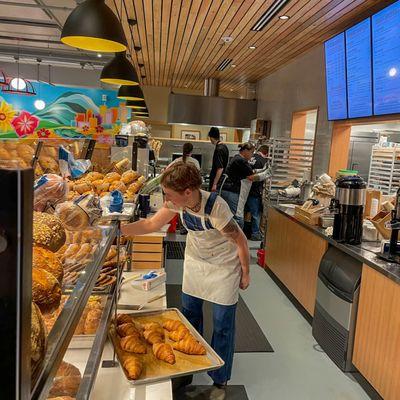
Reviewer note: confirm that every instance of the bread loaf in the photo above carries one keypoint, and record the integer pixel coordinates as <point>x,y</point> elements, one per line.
<point>46,290</point>
<point>47,260</point>
<point>72,216</point>
<point>48,231</point>
<point>66,381</point>
<point>38,337</point>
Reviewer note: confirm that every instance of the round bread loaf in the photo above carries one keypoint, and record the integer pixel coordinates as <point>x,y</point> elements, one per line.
<point>38,337</point>
<point>48,231</point>
<point>47,260</point>
<point>66,381</point>
<point>72,216</point>
<point>46,290</point>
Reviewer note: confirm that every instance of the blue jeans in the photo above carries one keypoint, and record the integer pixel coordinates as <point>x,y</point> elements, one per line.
<point>223,338</point>
<point>232,199</point>
<point>254,206</point>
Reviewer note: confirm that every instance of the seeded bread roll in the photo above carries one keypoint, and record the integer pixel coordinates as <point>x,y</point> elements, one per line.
<point>48,231</point>
<point>47,260</point>
<point>46,290</point>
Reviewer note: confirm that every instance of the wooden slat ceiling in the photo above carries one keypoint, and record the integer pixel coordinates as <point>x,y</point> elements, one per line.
<point>181,40</point>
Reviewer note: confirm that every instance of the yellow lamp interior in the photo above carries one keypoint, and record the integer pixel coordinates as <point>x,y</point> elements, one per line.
<point>137,107</point>
<point>130,98</point>
<point>93,44</point>
<point>114,81</point>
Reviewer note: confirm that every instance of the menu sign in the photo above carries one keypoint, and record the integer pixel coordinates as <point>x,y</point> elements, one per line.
<point>386,60</point>
<point>359,73</point>
<point>335,63</point>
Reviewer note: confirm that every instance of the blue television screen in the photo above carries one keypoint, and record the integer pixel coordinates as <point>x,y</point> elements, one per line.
<point>386,60</point>
<point>335,63</point>
<point>359,72</point>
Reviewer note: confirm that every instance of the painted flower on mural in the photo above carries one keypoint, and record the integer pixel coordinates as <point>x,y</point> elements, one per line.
<point>85,129</point>
<point>43,133</point>
<point>25,124</point>
<point>99,129</point>
<point>6,115</point>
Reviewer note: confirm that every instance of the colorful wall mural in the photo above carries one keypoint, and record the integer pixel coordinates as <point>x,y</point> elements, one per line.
<point>69,112</point>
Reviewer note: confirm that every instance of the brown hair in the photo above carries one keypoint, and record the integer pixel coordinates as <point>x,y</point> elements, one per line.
<point>187,149</point>
<point>264,148</point>
<point>181,176</point>
<point>246,146</point>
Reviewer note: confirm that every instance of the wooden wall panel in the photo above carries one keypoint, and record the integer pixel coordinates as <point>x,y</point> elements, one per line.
<point>293,254</point>
<point>377,343</point>
<point>339,154</point>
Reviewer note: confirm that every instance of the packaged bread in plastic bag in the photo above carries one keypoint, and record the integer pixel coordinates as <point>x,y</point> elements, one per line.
<point>49,190</point>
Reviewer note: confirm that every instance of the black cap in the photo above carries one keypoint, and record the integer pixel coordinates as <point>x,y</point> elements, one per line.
<point>214,133</point>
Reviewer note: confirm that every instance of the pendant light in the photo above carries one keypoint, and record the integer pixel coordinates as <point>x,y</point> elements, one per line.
<point>133,93</point>
<point>136,105</point>
<point>18,85</point>
<point>39,104</point>
<point>93,26</point>
<point>119,71</point>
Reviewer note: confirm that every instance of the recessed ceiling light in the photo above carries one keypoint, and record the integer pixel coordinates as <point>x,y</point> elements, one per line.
<point>233,65</point>
<point>231,90</point>
<point>284,17</point>
<point>99,55</point>
<point>252,47</point>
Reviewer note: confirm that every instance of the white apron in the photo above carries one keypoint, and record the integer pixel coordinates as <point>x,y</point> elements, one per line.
<point>212,269</point>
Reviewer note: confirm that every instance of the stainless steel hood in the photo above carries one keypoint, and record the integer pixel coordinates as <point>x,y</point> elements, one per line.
<point>211,110</point>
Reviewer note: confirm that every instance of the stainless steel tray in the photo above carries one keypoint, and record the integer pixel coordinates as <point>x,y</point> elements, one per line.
<point>216,361</point>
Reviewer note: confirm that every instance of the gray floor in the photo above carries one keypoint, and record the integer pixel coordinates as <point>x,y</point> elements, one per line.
<point>295,371</point>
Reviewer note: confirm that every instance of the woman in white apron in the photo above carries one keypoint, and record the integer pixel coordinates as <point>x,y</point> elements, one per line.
<point>216,261</point>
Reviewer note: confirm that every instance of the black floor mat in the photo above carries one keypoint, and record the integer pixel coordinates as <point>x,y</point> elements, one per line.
<point>192,392</point>
<point>249,336</point>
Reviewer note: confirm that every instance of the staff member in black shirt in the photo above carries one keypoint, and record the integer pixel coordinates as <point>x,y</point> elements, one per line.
<point>220,159</point>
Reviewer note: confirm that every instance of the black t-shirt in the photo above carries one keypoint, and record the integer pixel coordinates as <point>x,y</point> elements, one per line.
<point>238,169</point>
<point>220,160</point>
<point>257,162</point>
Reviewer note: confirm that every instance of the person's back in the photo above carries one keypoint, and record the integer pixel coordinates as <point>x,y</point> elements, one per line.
<point>220,159</point>
<point>187,156</point>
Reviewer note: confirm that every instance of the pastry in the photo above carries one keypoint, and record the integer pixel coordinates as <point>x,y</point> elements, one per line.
<point>66,381</point>
<point>111,254</point>
<point>26,152</point>
<point>134,188</point>
<point>100,186</point>
<point>151,325</point>
<point>72,216</point>
<point>48,231</point>
<point>38,337</point>
<point>83,252</point>
<point>82,187</point>
<point>164,352</point>
<point>172,324</point>
<point>179,334</point>
<point>46,290</point>
<point>129,176</point>
<point>92,321</point>
<point>189,345</point>
<point>118,185</point>
<point>49,164</point>
<point>133,344</point>
<point>61,398</point>
<point>94,176</point>
<point>47,260</point>
<point>72,249</point>
<point>154,336</point>
<point>112,177</point>
<point>123,319</point>
<point>133,366</point>
<point>127,330</point>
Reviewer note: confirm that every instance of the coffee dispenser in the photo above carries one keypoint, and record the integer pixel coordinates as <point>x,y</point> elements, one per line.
<point>349,208</point>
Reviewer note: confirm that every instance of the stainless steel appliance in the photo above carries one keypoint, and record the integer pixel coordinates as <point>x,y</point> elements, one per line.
<point>335,313</point>
<point>349,208</point>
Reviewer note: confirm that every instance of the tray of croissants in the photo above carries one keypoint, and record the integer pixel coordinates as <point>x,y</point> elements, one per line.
<point>160,344</point>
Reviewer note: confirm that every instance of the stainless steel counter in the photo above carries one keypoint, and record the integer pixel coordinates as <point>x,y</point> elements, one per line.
<point>366,252</point>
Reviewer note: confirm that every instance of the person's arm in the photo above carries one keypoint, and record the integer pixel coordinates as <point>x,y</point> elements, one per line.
<point>218,175</point>
<point>149,225</point>
<point>260,176</point>
<point>232,232</point>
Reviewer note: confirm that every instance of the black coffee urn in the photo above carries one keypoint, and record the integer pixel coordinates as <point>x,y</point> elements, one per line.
<point>349,208</point>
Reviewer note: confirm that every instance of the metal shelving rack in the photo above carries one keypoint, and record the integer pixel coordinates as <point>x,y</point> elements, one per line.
<point>384,171</point>
<point>290,159</point>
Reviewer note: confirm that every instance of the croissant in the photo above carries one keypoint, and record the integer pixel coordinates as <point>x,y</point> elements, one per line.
<point>164,352</point>
<point>190,346</point>
<point>179,334</point>
<point>133,344</point>
<point>172,324</point>
<point>123,319</point>
<point>127,330</point>
<point>133,367</point>
<point>151,326</point>
<point>154,336</point>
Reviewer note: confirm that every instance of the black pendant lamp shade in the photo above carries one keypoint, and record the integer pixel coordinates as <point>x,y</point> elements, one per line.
<point>93,26</point>
<point>133,93</point>
<point>119,71</point>
<point>136,105</point>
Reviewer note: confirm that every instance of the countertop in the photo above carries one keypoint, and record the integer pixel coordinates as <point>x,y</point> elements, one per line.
<point>366,252</point>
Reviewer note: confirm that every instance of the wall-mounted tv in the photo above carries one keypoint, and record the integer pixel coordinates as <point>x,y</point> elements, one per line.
<point>363,67</point>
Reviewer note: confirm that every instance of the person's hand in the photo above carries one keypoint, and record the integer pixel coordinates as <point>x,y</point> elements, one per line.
<point>214,188</point>
<point>244,281</point>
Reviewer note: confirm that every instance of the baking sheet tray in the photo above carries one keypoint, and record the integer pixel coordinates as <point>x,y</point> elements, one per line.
<point>155,370</point>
